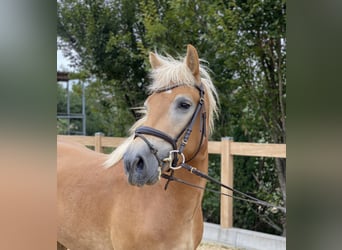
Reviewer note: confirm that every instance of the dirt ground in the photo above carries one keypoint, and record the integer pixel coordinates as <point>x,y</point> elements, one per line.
<point>211,246</point>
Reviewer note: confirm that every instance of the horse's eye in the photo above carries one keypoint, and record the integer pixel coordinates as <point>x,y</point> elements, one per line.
<point>184,105</point>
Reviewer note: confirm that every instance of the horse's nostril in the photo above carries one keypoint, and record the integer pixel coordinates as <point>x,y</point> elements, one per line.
<point>140,164</point>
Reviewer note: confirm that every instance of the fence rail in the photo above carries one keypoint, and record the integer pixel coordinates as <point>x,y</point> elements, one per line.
<point>227,148</point>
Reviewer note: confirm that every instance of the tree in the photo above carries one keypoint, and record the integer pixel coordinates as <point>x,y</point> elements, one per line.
<point>105,36</point>
<point>256,58</point>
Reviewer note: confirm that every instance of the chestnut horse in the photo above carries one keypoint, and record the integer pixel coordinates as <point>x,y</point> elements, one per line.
<point>119,201</point>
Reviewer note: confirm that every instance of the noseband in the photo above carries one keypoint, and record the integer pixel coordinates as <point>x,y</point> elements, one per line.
<point>173,159</point>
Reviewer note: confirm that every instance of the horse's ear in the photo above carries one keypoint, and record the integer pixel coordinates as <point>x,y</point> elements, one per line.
<point>192,61</point>
<point>154,61</point>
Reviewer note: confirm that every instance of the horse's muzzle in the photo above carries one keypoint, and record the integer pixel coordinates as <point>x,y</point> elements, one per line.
<point>141,167</point>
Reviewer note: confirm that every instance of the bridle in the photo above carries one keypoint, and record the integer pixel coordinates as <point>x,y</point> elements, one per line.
<point>173,154</point>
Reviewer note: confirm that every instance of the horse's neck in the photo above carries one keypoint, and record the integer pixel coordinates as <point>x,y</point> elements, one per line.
<point>191,194</point>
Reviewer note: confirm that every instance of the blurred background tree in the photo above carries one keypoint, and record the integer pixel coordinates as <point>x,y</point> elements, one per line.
<point>244,45</point>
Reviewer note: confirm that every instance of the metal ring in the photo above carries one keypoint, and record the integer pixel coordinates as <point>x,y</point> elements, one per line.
<point>170,157</point>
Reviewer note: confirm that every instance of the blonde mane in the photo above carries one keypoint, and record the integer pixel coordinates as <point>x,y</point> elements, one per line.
<point>170,72</point>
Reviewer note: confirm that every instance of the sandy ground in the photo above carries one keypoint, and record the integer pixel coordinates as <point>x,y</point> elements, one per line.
<point>211,246</point>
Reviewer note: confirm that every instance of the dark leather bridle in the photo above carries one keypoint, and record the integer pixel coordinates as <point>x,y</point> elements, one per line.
<point>144,130</point>
<point>173,158</point>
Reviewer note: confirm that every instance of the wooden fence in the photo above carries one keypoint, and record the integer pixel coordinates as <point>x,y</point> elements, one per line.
<point>227,148</point>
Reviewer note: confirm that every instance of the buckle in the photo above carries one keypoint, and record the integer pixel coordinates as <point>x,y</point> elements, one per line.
<point>170,159</point>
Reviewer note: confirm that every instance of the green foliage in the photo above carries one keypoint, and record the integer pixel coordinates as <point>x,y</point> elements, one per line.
<point>105,36</point>
<point>211,201</point>
<point>244,44</point>
<point>104,112</point>
<point>107,113</point>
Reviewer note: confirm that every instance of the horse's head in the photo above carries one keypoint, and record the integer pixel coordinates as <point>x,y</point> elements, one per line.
<point>175,125</point>
<point>171,114</point>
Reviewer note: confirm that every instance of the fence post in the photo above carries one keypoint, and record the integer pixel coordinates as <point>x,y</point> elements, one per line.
<point>226,218</point>
<point>98,142</point>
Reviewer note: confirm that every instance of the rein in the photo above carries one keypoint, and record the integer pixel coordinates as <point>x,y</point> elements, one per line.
<point>195,171</point>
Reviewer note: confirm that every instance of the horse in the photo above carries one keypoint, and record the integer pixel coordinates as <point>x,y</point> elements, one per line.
<point>119,200</point>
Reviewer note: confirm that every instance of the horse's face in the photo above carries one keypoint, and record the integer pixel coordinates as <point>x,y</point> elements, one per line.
<point>169,112</point>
